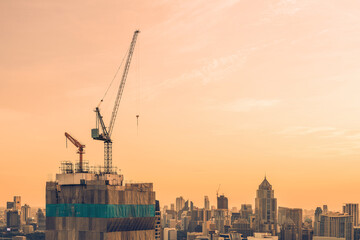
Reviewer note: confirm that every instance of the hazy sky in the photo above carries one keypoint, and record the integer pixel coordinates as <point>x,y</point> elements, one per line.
<point>226,91</point>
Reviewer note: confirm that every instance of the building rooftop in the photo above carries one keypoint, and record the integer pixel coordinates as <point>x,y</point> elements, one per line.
<point>265,185</point>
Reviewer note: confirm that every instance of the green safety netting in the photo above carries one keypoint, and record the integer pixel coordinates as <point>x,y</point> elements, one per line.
<point>99,210</point>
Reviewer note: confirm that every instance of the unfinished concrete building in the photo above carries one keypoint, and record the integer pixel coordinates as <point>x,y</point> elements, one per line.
<point>89,206</point>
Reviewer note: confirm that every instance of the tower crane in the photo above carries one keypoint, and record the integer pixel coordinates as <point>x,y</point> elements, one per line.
<point>105,134</point>
<point>217,192</point>
<point>80,149</point>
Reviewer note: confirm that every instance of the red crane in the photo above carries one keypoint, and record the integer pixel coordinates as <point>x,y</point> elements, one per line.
<point>80,149</point>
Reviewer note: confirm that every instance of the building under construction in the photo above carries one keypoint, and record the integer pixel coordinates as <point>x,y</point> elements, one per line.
<point>93,204</point>
<point>86,206</point>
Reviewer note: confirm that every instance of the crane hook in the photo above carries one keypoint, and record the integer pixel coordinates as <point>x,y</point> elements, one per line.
<point>137,123</point>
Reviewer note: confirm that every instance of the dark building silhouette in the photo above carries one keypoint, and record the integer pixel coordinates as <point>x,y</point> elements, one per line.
<point>242,226</point>
<point>157,220</point>
<point>307,234</point>
<point>318,213</point>
<point>289,230</point>
<point>41,220</point>
<point>13,219</point>
<point>356,233</point>
<point>222,202</point>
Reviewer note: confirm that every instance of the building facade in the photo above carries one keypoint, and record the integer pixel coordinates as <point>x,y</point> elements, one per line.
<point>222,202</point>
<point>206,203</point>
<point>265,209</point>
<point>337,225</point>
<point>180,203</point>
<point>293,214</point>
<point>353,210</point>
<point>90,206</point>
<point>246,211</point>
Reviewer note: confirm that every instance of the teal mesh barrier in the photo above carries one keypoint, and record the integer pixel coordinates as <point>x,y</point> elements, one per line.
<point>99,210</point>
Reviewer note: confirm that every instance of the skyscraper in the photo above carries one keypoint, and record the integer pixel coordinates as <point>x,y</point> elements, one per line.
<point>41,220</point>
<point>353,210</point>
<point>265,209</point>
<point>17,201</point>
<point>180,203</point>
<point>318,213</point>
<point>222,202</point>
<point>206,203</point>
<point>158,220</point>
<point>25,214</point>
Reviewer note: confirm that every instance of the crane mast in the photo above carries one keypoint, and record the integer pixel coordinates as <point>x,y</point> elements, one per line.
<point>105,136</point>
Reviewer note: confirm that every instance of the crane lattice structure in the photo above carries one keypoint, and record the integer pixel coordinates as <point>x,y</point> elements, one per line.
<point>105,135</point>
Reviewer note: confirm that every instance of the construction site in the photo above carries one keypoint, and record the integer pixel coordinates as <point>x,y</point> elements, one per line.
<point>88,203</point>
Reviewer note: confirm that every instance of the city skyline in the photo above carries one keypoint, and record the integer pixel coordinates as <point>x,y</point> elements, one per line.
<point>226,91</point>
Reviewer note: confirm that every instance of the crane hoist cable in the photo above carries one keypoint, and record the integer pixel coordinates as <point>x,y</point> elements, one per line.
<point>105,134</point>
<point>116,73</point>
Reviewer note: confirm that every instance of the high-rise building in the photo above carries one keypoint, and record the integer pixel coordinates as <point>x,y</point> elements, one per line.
<point>172,207</point>
<point>10,206</point>
<point>318,213</point>
<point>242,226</point>
<point>265,209</point>
<point>41,220</point>
<point>295,215</point>
<point>220,217</point>
<point>338,225</point>
<point>93,206</point>
<point>206,203</point>
<point>157,220</point>
<point>353,210</point>
<point>289,230</point>
<point>25,213</point>
<point>13,219</point>
<point>356,233</point>
<point>307,234</point>
<point>222,202</point>
<point>17,202</point>
<point>325,209</point>
<point>180,203</point>
<point>246,211</point>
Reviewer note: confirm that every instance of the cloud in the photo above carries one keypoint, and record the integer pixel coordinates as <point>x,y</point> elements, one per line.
<point>247,104</point>
<point>214,69</point>
<point>187,15</point>
<point>286,7</point>
<point>300,130</point>
<point>330,140</point>
<point>211,70</point>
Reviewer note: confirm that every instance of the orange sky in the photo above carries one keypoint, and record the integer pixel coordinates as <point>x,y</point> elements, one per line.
<point>226,91</point>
